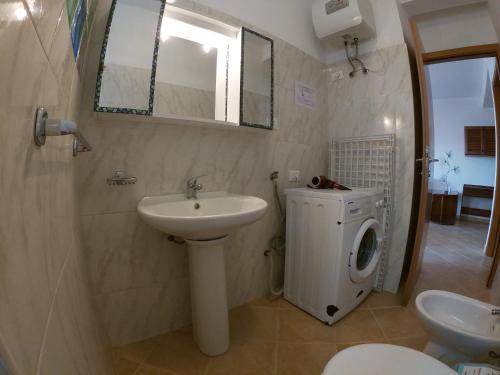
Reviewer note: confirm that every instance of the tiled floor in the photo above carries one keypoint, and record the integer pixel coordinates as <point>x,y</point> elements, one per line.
<point>274,337</point>
<point>454,260</point>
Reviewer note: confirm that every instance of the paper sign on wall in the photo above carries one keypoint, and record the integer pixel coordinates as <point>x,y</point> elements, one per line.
<point>305,95</point>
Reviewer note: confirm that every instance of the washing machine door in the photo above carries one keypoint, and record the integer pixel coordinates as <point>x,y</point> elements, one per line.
<point>366,250</point>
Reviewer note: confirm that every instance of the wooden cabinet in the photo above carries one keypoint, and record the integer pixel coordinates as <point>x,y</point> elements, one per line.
<point>479,140</point>
<point>476,191</point>
<point>444,207</point>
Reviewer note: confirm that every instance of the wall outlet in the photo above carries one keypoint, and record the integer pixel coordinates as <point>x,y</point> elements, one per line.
<point>293,176</point>
<point>336,76</point>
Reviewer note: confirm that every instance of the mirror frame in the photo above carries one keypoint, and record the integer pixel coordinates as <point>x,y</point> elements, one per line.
<point>242,72</point>
<point>102,56</point>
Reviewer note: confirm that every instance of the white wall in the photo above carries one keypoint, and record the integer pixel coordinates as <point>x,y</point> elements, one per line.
<point>494,7</point>
<point>389,31</point>
<point>456,27</point>
<point>450,117</point>
<point>289,20</point>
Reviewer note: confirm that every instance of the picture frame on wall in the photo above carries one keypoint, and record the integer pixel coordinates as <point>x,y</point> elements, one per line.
<point>77,17</point>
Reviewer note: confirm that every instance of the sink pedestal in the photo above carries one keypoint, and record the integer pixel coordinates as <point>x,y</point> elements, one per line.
<point>208,295</point>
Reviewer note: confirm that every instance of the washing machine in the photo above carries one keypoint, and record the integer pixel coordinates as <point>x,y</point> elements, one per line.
<point>334,239</point>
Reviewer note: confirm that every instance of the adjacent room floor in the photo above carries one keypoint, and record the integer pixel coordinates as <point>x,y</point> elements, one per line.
<point>454,259</point>
<point>274,337</point>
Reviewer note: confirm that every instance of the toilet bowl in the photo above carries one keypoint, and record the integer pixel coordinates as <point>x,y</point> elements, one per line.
<point>460,328</point>
<point>384,359</point>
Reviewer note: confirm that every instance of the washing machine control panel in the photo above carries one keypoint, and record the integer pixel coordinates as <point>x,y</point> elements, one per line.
<point>358,208</point>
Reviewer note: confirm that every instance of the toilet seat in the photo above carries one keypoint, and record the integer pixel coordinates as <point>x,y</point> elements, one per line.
<point>384,359</point>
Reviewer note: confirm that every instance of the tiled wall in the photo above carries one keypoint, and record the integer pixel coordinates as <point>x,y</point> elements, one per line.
<point>378,103</point>
<point>47,323</point>
<point>171,99</point>
<point>140,280</point>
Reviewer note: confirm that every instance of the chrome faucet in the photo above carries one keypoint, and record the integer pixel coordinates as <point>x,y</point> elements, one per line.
<point>495,312</point>
<point>192,187</point>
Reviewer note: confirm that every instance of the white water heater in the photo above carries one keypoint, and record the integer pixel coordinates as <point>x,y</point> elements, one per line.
<point>343,19</point>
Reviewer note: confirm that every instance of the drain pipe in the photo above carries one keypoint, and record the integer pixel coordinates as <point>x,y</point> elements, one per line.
<point>277,247</point>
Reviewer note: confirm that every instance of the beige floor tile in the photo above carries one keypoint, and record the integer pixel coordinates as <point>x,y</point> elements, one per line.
<point>358,326</point>
<point>123,366</point>
<point>178,353</point>
<point>417,343</point>
<point>148,370</point>
<point>382,299</point>
<point>343,346</point>
<point>297,326</point>
<point>250,323</point>
<point>137,351</point>
<point>268,301</point>
<point>284,304</point>
<point>304,359</point>
<point>245,358</point>
<point>398,322</point>
<point>363,305</point>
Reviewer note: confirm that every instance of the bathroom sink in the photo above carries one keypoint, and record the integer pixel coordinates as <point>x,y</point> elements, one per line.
<point>204,222</point>
<point>209,216</point>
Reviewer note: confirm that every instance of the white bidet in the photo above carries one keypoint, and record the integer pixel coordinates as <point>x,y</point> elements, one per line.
<point>460,328</point>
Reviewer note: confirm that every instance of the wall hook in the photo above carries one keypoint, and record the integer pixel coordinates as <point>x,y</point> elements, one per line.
<point>43,127</point>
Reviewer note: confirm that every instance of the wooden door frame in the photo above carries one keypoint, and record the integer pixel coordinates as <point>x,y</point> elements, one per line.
<point>411,278</point>
<point>493,242</point>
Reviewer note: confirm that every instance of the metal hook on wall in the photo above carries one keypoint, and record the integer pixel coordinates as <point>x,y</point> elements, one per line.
<point>44,127</point>
<point>348,47</point>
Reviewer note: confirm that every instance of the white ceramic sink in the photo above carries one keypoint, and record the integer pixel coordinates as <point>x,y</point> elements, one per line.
<point>204,223</point>
<point>210,216</point>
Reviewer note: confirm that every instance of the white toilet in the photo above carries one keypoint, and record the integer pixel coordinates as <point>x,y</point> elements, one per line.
<point>460,328</point>
<point>384,359</point>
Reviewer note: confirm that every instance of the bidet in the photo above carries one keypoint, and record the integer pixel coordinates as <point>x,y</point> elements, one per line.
<point>460,328</point>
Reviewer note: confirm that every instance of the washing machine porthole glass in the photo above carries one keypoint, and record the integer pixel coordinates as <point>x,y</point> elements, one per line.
<point>367,249</point>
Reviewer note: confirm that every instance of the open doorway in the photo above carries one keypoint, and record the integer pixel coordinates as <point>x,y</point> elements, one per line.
<point>426,183</point>
<point>462,176</point>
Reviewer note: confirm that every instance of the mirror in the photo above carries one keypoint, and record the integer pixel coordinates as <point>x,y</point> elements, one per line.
<point>257,70</point>
<point>191,71</point>
<point>165,61</point>
<point>128,57</point>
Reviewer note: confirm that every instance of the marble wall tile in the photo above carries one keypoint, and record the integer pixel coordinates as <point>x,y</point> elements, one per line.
<point>125,87</point>
<point>256,108</point>
<point>47,17</point>
<point>380,103</point>
<point>38,230</point>
<point>180,100</point>
<point>136,273</point>
<point>133,314</point>
<point>76,342</point>
<point>128,257</point>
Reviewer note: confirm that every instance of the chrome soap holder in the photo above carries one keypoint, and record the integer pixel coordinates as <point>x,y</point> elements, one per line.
<point>45,128</point>
<point>121,178</point>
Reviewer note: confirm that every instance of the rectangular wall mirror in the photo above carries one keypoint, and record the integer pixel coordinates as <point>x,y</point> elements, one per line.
<point>129,54</point>
<point>257,80</point>
<point>168,62</point>
<point>192,67</point>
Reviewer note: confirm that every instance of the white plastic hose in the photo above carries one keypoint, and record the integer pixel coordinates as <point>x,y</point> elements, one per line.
<point>279,292</point>
<point>277,243</point>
